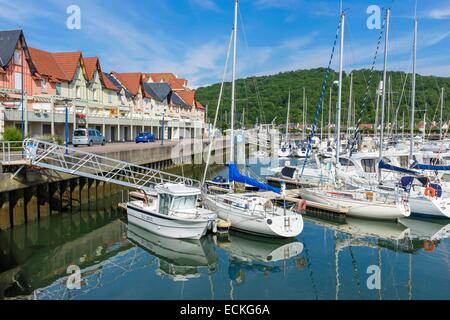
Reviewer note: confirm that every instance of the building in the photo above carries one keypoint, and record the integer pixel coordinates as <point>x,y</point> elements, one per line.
<point>57,85</point>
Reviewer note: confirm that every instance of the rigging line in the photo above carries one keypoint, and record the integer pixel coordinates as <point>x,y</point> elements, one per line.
<point>218,106</point>
<point>361,111</point>
<point>322,95</point>
<point>400,100</point>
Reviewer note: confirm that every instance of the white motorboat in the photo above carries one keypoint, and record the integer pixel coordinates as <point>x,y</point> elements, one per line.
<point>360,204</point>
<point>284,151</point>
<point>172,213</point>
<point>251,213</point>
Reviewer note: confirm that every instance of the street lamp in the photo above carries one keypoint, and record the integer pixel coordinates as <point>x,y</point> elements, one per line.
<point>162,127</point>
<point>66,127</point>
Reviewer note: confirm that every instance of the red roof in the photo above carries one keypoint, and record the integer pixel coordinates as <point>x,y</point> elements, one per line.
<point>68,62</point>
<point>188,97</point>
<point>108,84</point>
<point>199,105</point>
<point>178,84</point>
<point>161,77</point>
<point>91,64</point>
<point>131,81</point>
<point>1,70</point>
<point>46,64</point>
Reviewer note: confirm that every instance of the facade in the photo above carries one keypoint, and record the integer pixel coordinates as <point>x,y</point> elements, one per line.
<point>67,85</point>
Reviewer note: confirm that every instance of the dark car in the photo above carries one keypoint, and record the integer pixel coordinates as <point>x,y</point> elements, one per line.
<point>145,137</point>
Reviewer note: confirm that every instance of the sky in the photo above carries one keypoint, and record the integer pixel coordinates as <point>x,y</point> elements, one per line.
<point>190,37</point>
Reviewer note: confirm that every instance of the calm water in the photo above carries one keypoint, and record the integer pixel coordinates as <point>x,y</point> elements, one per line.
<point>329,260</point>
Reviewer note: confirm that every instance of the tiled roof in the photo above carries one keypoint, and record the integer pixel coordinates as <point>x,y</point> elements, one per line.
<point>199,105</point>
<point>68,62</point>
<point>188,97</point>
<point>117,84</point>
<point>8,44</point>
<point>45,64</point>
<point>178,84</point>
<point>131,81</point>
<point>109,83</point>
<point>90,64</point>
<point>176,100</point>
<point>161,77</point>
<point>1,70</point>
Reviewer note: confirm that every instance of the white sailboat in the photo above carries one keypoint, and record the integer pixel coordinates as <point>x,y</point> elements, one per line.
<point>360,203</point>
<point>250,212</point>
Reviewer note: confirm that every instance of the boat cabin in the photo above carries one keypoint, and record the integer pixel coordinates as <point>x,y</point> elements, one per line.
<point>176,197</point>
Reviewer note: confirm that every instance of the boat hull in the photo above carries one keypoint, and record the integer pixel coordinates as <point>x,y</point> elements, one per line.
<point>270,226</point>
<point>360,209</point>
<point>429,208</point>
<point>167,226</point>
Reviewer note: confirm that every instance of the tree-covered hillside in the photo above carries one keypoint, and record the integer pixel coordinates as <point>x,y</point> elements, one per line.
<point>265,98</point>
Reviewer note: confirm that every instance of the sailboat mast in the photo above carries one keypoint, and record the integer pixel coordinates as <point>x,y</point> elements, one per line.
<point>329,113</point>
<point>287,116</point>
<point>303,130</point>
<point>233,82</point>
<point>442,109</point>
<point>338,111</point>
<point>349,116</point>
<point>413,91</point>
<point>383,97</point>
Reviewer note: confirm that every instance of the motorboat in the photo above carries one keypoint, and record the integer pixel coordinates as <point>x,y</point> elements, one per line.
<point>173,212</point>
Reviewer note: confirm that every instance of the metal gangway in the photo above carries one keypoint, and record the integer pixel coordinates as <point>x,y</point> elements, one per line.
<point>90,165</point>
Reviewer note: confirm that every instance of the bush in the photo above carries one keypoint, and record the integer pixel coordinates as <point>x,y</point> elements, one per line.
<point>12,134</point>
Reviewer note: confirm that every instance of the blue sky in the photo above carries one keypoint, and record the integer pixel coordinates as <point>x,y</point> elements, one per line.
<point>190,37</point>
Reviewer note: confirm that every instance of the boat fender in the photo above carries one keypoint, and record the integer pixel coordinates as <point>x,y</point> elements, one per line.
<point>430,192</point>
<point>429,246</point>
<point>301,206</point>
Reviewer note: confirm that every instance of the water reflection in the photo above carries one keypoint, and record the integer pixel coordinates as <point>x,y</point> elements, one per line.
<point>178,259</point>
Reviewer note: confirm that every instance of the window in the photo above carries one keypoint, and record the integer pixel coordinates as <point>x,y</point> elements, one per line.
<point>43,85</point>
<point>368,165</point>
<point>94,94</point>
<point>109,97</point>
<point>46,129</point>
<point>346,162</point>
<point>78,92</point>
<point>18,81</point>
<point>184,203</point>
<point>164,203</point>
<point>17,57</point>
<point>58,89</point>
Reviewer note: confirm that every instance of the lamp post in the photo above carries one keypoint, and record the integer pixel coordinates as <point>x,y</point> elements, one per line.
<point>162,127</point>
<point>66,126</point>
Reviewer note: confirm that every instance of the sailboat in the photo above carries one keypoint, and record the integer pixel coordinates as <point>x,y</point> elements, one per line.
<point>286,149</point>
<point>250,212</point>
<point>361,203</point>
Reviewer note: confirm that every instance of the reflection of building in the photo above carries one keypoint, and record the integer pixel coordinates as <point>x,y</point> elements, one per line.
<point>117,104</point>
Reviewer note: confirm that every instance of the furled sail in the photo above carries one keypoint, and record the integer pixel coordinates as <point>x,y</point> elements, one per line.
<point>387,166</point>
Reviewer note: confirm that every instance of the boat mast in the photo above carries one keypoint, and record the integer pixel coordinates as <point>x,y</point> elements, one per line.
<point>383,97</point>
<point>413,91</point>
<point>287,117</point>
<point>442,108</point>
<point>303,131</point>
<point>233,82</point>
<point>338,111</point>
<point>349,116</point>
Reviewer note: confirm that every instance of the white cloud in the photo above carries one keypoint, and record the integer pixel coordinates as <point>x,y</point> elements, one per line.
<point>442,13</point>
<point>205,4</point>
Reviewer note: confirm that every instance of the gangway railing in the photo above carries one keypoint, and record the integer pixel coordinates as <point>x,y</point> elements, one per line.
<point>90,165</point>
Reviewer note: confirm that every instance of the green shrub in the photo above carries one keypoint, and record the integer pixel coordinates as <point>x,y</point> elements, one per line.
<point>12,134</point>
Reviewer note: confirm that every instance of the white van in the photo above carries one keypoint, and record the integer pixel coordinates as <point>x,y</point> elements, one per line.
<point>87,137</point>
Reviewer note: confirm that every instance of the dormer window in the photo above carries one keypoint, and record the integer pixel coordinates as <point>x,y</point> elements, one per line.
<point>78,92</point>
<point>43,85</point>
<point>110,97</point>
<point>17,57</point>
<point>95,94</point>
<point>58,89</point>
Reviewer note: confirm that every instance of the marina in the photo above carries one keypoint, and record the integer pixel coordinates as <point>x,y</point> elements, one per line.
<point>146,186</point>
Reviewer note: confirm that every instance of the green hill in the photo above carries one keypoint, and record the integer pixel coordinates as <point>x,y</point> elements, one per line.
<point>265,97</point>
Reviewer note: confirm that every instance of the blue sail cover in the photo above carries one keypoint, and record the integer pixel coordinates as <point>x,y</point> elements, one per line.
<point>235,175</point>
<point>386,166</point>
<point>430,167</point>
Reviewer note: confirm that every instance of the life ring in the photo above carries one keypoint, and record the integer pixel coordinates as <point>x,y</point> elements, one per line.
<point>430,192</point>
<point>429,246</point>
<point>301,206</point>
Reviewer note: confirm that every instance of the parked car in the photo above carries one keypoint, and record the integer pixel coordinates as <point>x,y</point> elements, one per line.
<point>145,137</point>
<point>87,137</point>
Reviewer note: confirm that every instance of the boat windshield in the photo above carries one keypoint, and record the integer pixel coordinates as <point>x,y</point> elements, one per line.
<point>180,203</point>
